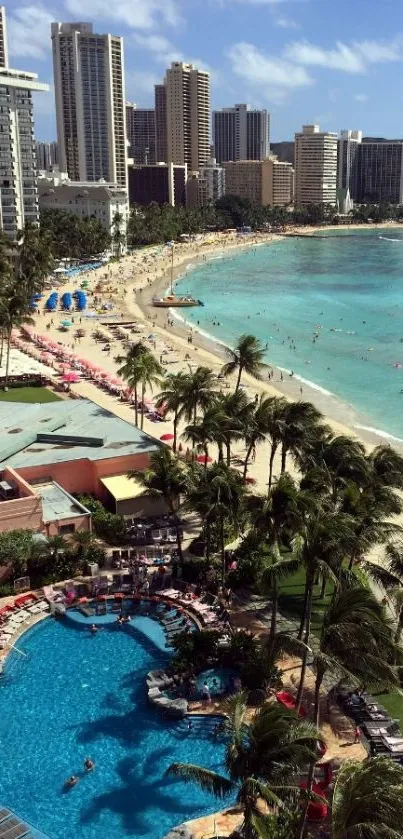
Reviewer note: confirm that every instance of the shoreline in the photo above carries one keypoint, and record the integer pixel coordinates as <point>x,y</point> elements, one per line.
<point>342,416</point>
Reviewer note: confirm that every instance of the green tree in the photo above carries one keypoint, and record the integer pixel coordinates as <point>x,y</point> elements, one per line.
<point>150,374</point>
<point>117,234</point>
<point>227,492</point>
<point>198,393</point>
<point>261,759</point>
<point>173,399</point>
<point>247,356</point>
<point>132,371</point>
<point>165,478</point>
<point>367,801</point>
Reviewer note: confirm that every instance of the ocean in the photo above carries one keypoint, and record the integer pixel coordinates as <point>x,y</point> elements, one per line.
<point>328,307</point>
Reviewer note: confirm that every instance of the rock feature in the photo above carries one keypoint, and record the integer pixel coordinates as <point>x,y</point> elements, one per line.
<point>157,681</point>
<point>180,832</point>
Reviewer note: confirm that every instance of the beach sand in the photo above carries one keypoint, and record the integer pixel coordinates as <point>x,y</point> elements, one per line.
<point>128,287</point>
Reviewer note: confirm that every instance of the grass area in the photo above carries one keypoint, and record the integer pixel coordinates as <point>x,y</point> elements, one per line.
<point>29,394</point>
<point>291,599</point>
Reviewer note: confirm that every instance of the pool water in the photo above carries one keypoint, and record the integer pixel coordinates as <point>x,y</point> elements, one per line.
<point>76,695</point>
<point>219,680</point>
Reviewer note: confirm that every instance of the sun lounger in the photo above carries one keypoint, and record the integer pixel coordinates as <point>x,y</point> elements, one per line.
<point>87,611</point>
<point>15,832</point>
<point>4,812</point>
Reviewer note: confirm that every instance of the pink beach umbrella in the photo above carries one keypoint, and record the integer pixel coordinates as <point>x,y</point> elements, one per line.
<point>204,458</point>
<point>71,377</point>
<point>166,437</point>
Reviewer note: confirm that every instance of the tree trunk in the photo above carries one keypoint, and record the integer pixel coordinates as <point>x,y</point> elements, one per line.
<point>175,432</point>
<point>136,407</point>
<point>274,608</point>
<point>323,589</point>
<point>238,381</point>
<point>248,454</point>
<point>228,447</point>
<point>7,360</point>
<point>205,456</point>
<point>220,453</point>
<point>208,539</point>
<point>304,611</point>
<point>283,458</point>
<point>306,641</point>
<point>271,462</point>
<point>1,347</point>
<point>309,784</point>
<point>143,390</point>
<point>222,548</point>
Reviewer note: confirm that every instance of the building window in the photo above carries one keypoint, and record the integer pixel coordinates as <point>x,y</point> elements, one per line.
<point>66,528</point>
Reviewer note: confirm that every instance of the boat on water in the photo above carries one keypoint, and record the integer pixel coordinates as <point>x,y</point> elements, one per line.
<point>175,302</point>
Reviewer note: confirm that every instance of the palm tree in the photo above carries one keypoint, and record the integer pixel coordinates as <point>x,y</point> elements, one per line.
<point>14,313</point>
<point>132,370</point>
<point>247,355</point>
<point>255,427</point>
<point>172,398</point>
<point>275,409</point>
<point>117,233</point>
<point>150,374</point>
<point>227,492</point>
<point>237,410</point>
<point>165,478</point>
<point>198,392</point>
<point>261,759</point>
<point>367,801</point>
<point>357,640</point>
<point>300,427</point>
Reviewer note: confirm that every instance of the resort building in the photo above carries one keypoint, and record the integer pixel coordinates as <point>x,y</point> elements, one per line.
<point>160,98</point>
<point>187,115</point>
<point>240,133</point>
<point>84,198</point>
<point>90,103</point>
<point>264,182</point>
<point>378,176</point>
<point>18,182</point>
<point>46,156</point>
<point>140,124</point>
<point>163,183</point>
<point>347,158</point>
<point>67,448</point>
<point>315,166</point>
<point>206,186</point>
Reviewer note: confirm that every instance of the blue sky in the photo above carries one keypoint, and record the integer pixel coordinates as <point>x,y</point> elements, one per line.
<point>336,62</point>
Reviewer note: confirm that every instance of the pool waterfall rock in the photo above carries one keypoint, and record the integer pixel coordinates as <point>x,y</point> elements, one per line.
<point>180,832</point>
<point>157,681</point>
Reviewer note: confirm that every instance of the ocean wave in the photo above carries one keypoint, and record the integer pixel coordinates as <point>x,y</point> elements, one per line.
<point>379,433</point>
<point>389,239</point>
<point>196,328</point>
<point>313,385</point>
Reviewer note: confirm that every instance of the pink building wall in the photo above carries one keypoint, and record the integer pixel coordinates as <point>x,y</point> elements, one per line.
<point>84,476</point>
<point>24,512</point>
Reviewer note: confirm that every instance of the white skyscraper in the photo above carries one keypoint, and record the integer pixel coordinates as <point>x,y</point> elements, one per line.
<point>90,103</point>
<point>315,166</point>
<point>18,181</point>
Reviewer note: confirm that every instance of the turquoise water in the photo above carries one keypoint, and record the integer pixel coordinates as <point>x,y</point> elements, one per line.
<point>329,307</point>
<point>77,695</point>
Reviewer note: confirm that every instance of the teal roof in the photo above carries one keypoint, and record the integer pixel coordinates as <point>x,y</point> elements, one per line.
<point>74,429</point>
<point>58,504</point>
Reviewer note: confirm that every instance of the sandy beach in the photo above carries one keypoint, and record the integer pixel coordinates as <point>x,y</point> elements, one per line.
<point>128,287</point>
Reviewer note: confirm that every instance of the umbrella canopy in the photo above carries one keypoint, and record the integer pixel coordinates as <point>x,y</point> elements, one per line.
<point>71,377</point>
<point>204,458</point>
<point>167,437</point>
<point>66,323</point>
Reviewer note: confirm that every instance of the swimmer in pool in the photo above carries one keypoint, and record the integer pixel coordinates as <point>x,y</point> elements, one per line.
<point>88,764</point>
<point>71,782</point>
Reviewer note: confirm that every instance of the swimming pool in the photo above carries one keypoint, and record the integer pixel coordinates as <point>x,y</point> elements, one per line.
<point>77,695</point>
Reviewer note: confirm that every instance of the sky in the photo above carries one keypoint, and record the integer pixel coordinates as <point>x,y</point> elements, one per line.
<point>338,63</point>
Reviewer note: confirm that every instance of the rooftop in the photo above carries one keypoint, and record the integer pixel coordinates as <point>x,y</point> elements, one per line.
<point>58,432</point>
<point>58,504</point>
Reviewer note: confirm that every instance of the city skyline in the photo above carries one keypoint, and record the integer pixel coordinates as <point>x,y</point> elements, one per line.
<point>336,64</point>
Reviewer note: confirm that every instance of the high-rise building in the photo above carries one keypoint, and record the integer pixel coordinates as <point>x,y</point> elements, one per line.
<point>46,156</point>
<point>160,99</point>
<point>18,178</point>
<point>347,158</point>
<point>3,38</point>
<point>164,183</point>
<point>315,166</point>
<point>265,182</point>
<point>188,115</point>
<point>140,124</point>
<point>379,173</point>
<point>214,177</point>
<point>240,133</point>
<point>90,103</point>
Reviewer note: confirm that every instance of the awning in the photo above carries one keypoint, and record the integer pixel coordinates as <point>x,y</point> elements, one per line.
<point>122,488</point>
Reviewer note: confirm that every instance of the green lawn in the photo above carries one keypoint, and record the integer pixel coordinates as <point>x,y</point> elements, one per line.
<point>29,394</point>
<point>291,599</point>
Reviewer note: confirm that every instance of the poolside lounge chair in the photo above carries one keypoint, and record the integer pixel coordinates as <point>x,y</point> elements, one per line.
<point>52,595</point>
<point>87,611</point>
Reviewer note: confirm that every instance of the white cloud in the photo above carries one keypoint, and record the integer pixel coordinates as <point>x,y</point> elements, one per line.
<point>353,58</point>
<point>275,76</point>
<point>286,23</point>
<point>137,14</point>
<point>162,49</point>
<point>28,30</point>
<point>140,86</point>
<point>361,97</point>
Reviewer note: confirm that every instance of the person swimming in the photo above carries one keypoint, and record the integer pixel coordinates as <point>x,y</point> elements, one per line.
<point>71,782</point>
<point>93,629</point>
<point>88,764</point>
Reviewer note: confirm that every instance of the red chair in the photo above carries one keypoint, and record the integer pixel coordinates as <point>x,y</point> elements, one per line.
<point>288,700</point>
<point>317,810</point>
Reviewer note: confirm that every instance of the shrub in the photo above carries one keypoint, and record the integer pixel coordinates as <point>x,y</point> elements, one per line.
<point>197,649</point>
<point>108,526</point>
